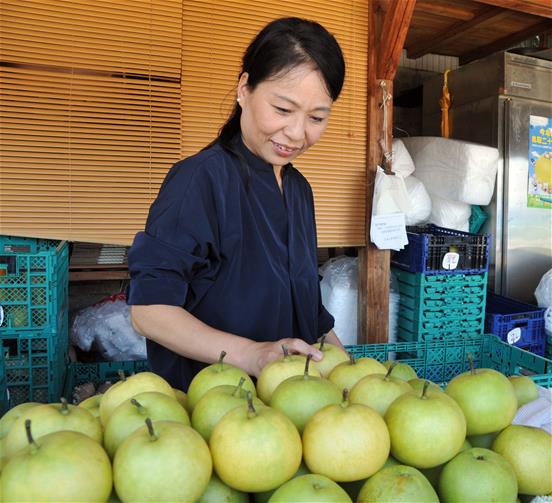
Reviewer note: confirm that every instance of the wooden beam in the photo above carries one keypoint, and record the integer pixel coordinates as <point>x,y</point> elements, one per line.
<point>542,8</point>
<point>443,10</point>
<point>436,40</point>
<point>541,28</point>
<point>394,30</point>
<point>373,281</point>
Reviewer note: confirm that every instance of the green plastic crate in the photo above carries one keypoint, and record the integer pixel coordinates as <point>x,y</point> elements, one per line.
<point>33,283</point>
<point>4,403</point>
<point>440,361</point>
<point>436,335</point>
<point>99,373</point>
<point>478,217</point>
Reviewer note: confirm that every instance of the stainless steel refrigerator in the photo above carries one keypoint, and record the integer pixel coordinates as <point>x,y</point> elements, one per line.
<point>505,101</point>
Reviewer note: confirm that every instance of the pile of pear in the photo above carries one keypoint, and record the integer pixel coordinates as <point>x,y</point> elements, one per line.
<point>340,429</point>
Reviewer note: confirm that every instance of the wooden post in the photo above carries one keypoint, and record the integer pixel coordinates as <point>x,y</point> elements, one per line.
<point>390,28</point>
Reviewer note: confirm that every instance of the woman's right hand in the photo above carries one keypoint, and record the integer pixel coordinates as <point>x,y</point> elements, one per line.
<point>262,353</point>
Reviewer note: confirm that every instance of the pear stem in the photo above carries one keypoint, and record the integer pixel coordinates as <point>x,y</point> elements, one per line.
<point>64,407</point>
<point>470,360</point>
<point>122,375</point>
<point>238,387</point>
<point>30,439</point>
<point>151,431</point>
<point>345,395</point>
<point>221,357</point>
<point>391,367</point>
<point>322,341</point>
<point>285,350</point>
<point>424,389</point>
<point>352,358</point>
<point>137,404</point>
<point>307,362</point>
<point>251,412</point>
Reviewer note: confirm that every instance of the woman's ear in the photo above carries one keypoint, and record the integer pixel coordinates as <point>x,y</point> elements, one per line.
<point>242,86</point>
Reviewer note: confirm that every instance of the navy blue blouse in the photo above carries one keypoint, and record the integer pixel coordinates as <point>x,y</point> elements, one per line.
<point>223,242</point>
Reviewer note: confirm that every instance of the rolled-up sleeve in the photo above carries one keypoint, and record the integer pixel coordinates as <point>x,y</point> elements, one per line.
<point>179,246</point>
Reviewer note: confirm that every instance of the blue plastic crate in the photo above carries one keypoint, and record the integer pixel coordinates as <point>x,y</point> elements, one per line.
<point>34,364</point>
<point>34,283</point>
<point>441,360</point>
<point>429,245</point>
<point>514,322</point>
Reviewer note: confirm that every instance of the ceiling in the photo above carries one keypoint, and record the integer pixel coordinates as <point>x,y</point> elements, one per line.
<point>471,29</point>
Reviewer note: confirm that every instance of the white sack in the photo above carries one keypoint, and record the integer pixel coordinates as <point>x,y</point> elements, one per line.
<point>420,202</point>
<point>454,169</point>
<point>450,214</point>
<point>402,161</point>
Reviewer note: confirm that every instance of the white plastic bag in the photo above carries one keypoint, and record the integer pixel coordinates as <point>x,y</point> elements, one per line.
<point>106,327</point>
<point>454,169</point>
<point>403,164</point>
<point>450,214</point>
<point>420,202</point>
<point>390,194</point>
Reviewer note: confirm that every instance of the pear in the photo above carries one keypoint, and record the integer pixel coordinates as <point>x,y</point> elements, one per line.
<point>333,356</point>
<point>277,371</point>
<point>300,397</point>
<point>216,403</point>
<point>379,391</point>
<point>348,373</point>
<point>215,375</point>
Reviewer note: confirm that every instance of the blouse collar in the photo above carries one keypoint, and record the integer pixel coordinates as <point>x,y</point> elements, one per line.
<point>255,161</point>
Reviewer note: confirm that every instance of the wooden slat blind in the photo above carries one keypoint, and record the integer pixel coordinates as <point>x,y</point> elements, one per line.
<point>90,114</point>
<point>215,35</point>
<point>100,98</point>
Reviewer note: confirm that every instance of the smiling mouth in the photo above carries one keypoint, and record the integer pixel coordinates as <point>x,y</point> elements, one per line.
<point>284,147</point>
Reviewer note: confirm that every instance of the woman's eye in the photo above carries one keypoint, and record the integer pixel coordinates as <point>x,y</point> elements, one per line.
<point>282,110</point>
<point>317,119</point>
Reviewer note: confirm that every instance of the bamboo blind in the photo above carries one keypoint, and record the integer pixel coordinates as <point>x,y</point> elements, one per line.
<point>100,98</point>
<point>90,114</point>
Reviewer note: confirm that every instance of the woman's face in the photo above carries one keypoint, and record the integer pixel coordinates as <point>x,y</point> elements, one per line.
<point>282,117</point>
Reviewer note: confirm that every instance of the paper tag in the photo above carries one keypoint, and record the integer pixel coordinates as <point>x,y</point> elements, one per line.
<point>450,261</point>
<point>388,232</point>
<point>1,315</point>
<point>514,335</point>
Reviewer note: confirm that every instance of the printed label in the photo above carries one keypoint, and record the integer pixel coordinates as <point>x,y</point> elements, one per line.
<point>450,261</point>
<point>514,335</point>
<point>1,315</point>
<point>521,85</point>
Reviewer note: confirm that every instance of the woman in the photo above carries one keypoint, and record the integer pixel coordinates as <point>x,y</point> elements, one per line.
<point>228,257</point>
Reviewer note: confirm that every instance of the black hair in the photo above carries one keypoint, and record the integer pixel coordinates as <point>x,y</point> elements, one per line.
<point>280,46</point>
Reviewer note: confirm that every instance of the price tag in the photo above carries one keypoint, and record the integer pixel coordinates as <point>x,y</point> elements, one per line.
<point>450,261</point>
<point>514,335</point>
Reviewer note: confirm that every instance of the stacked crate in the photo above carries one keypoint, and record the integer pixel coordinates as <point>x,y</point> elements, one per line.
<point>442,277</point>
<point>517,323</point>
<point>33,317</point>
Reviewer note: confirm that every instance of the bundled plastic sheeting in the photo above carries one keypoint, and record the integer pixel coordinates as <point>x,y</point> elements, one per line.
<point>454,169</point>
<point>450,214</point>
<point>420,202</point>
<point>402,161</point>
<point>543,294</point>
<point>339,289</point>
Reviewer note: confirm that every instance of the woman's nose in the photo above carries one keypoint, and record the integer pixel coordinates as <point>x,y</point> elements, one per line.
<point>295,128</point>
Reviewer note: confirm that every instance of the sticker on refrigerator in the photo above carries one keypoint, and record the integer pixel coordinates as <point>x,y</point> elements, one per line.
<point>539,189</point>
